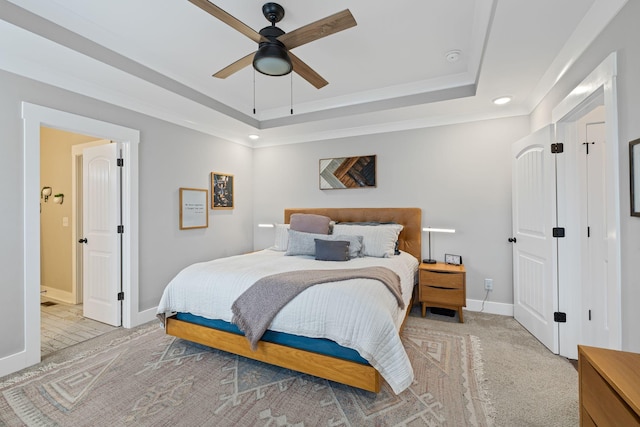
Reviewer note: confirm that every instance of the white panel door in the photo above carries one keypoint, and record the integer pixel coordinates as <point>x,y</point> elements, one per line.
<point>534,247</point>
<point>100,218</point>
<point>595,287</point>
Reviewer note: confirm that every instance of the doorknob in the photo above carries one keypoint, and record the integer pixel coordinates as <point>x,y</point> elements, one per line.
<point>82,240</point>
<point>511,239</point>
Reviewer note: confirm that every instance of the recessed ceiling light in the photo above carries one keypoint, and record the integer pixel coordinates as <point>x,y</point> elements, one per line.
<point>502,100</point>
<point>253,136</point>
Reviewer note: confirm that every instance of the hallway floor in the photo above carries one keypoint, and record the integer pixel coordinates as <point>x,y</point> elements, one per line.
<point>62,325</point>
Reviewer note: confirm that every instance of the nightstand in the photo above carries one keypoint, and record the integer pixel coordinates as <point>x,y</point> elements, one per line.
<point>442,285</point>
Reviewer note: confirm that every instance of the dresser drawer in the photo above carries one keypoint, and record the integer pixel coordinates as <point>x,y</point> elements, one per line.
<point>442,279</point>
<point>601,402</point>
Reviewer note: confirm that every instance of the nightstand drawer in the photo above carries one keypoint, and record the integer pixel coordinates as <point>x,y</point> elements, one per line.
<point>442,279</point>
<point>433,295</point>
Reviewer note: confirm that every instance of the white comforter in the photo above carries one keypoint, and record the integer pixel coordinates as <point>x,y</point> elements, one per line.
<point>359,313</point>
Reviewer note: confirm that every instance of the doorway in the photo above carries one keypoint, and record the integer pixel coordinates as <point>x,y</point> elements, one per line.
<point>63,320</point>
<point>564,307</point>
<point>35,117</point>
<point>60,223</point>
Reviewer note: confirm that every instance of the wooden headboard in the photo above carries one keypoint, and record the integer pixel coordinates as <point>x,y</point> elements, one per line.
<point>410,239</point>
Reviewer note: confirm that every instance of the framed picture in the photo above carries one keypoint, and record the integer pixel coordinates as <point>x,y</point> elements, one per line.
<point>347,172</point>
<point>194,208</point>
<point>634,171</point>
<point>221,191</point>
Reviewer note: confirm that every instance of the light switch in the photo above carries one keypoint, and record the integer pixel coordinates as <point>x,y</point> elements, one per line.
<point>65,221</point>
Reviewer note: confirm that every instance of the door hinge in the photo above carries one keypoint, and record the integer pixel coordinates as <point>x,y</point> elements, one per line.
<point>558,231</point>
<point>557,148</point>
<point>120,229</point>
<point>120,162</point>
<point>560,317</point>
<point>120,296</point>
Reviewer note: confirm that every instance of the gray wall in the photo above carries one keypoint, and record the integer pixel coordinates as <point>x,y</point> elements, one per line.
<point>621,35</point>
<point>459,175</point>
<point>170,157</point>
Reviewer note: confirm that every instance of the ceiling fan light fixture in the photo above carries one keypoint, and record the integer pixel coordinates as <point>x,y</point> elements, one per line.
<point>272,59</point>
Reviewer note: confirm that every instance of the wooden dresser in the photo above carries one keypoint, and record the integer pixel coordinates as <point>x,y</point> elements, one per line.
<point>609,387</point>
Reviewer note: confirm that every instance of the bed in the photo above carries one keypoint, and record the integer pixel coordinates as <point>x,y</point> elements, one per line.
<point>336,358</point>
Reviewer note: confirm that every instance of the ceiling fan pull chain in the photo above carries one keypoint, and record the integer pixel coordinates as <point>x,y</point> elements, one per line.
<point>254,92</point>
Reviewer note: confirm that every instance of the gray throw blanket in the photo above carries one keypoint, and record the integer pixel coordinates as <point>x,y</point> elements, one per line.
<point>255,309</point>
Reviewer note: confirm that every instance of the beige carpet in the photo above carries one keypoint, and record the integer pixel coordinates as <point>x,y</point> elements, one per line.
<point>145,378</point>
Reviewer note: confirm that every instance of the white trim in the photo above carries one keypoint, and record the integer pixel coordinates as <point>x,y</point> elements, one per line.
<point>599,77</point>
<point>35,116</point>
<point>148,315</point>
<point>490,307</point>
<point>58,295</point>
<point>601,81</point>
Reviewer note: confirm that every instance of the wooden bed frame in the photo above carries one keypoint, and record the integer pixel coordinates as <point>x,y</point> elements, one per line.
<point>327,367</point>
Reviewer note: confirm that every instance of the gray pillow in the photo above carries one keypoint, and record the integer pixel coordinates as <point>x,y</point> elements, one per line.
<point>310,223</point>
<point>332,250</point>
<point>305,244</point>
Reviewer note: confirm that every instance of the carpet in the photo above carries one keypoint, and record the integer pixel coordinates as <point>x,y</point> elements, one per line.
<point>146,378</point>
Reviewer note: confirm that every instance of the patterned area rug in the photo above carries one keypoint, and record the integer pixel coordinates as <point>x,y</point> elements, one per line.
<point>150,379</point>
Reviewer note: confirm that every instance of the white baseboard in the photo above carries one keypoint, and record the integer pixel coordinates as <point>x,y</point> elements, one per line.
<point>57,294</point>
<point>12,363</point>
<point>144,317</point>
<point>490,307</point>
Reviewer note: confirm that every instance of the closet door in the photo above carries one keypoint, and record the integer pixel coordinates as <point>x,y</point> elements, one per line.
<point>535,291</point>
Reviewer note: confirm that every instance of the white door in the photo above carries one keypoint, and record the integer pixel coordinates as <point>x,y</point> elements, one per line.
<point>534,247</point>
<point>595,304</point>
<point>100,218</point>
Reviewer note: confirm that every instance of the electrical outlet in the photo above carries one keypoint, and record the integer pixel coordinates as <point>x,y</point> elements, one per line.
<point>488,284</point>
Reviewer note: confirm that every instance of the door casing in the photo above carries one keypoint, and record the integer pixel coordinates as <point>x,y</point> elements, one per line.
<point>597,89</point>
<point>34,116</point>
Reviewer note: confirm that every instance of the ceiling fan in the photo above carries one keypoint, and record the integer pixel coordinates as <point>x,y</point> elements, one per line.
<point>274,57</point>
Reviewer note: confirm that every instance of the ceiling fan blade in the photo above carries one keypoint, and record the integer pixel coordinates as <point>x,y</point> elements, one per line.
<point>319,29</point>
<point>231,21</point>
<point>236,66</point>
<point>307,73</point>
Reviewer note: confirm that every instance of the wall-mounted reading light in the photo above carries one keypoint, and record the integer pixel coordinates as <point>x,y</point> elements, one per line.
<point>58,198</point>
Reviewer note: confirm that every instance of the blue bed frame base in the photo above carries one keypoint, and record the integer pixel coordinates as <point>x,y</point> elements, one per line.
<point>316,345</point>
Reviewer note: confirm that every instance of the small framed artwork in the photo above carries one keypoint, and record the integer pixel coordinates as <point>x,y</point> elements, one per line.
<point>221,191</point>
<point>194,208</point>
<point>347,172</point>
<point>452,259</point>
<point>634,172</point>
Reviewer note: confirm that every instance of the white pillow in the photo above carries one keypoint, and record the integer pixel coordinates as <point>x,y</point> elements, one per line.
<point>282,238</point>
<point>377,240</point>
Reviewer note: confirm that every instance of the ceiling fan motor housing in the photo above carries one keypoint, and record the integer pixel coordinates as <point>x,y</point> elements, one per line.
<point>272,58</point>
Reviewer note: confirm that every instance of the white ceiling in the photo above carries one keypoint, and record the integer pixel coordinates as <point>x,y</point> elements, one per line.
<point>389,72</point>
